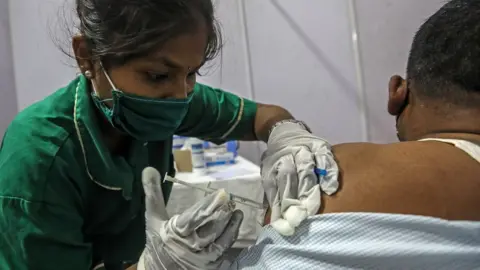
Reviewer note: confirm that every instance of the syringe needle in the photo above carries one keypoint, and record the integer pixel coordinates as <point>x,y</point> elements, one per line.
<point>235,198</point>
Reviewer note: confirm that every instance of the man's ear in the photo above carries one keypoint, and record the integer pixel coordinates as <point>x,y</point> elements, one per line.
<point>83,55</point>
<point>397,94</point>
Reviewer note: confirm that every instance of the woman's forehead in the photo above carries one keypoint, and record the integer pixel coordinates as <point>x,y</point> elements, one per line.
<point>183,51</point>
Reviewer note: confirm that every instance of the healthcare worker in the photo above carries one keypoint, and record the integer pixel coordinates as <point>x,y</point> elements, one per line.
<point>71,194</point>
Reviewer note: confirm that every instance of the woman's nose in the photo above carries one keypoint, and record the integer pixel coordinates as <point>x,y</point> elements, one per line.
<point>180,89</point>
<point>180,94</point>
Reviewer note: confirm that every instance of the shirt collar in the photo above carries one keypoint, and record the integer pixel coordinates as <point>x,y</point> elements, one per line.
<point>108,171</point>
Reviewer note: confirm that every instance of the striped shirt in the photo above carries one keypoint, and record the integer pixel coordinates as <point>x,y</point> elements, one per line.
<point>367,241</point>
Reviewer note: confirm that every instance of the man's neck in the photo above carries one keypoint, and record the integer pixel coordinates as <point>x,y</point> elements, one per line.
<point>453,124</point>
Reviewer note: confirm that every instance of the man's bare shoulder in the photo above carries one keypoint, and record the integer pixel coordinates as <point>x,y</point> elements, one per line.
<point>408,177</point>
<point>394,156</point>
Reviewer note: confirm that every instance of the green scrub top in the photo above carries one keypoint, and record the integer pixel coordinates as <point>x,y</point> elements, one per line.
<point>66,202</point>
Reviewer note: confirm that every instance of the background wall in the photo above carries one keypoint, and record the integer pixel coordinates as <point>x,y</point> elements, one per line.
<point>8,97</point>
<point>299,54</point>
<point>38,29</point>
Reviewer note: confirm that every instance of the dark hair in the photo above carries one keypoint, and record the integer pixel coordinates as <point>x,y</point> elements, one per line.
<point>120,30</point>
<point>444,61</point>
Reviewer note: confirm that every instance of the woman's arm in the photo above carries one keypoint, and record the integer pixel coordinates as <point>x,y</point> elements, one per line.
<point>265,118</point>
<point>217,115</point>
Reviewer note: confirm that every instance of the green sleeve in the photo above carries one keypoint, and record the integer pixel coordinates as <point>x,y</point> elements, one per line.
<point>40,221</point>
<point>217,115</point>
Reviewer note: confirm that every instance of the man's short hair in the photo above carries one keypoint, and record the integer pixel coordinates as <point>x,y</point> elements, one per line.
<point>444,61</point>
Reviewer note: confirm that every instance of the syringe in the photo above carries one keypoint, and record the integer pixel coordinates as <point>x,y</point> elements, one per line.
<point>235,198</point>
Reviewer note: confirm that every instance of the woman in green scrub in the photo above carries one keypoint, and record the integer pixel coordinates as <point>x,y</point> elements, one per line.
<point>71,195</point>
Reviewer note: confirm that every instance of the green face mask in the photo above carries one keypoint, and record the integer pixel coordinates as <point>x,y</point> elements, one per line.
<point>145,119</point>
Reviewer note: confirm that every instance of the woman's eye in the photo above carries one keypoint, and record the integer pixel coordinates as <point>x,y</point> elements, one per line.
<point>156,77</point>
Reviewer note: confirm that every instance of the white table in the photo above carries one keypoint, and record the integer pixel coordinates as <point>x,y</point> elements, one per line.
<point>242,178</point>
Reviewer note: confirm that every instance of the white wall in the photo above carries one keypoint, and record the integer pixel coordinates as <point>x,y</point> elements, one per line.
<point>302,59</point>
<point>280,52</point>
<point>40,67</point>
<point>8,100</point>
<point>297,54</point>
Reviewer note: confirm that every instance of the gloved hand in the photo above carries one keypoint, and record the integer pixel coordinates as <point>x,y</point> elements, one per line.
<point>295,168</point>
<point>195,239</point>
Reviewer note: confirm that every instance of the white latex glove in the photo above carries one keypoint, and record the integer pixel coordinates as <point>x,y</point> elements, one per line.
<point>195,239</point>
<point>292,186</point>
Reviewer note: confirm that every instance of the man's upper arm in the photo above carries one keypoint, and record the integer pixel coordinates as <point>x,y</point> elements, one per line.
<point>216,114</point>
<point>41,227</point>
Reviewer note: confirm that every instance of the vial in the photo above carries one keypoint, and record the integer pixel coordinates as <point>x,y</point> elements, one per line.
<point>198,156</point>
